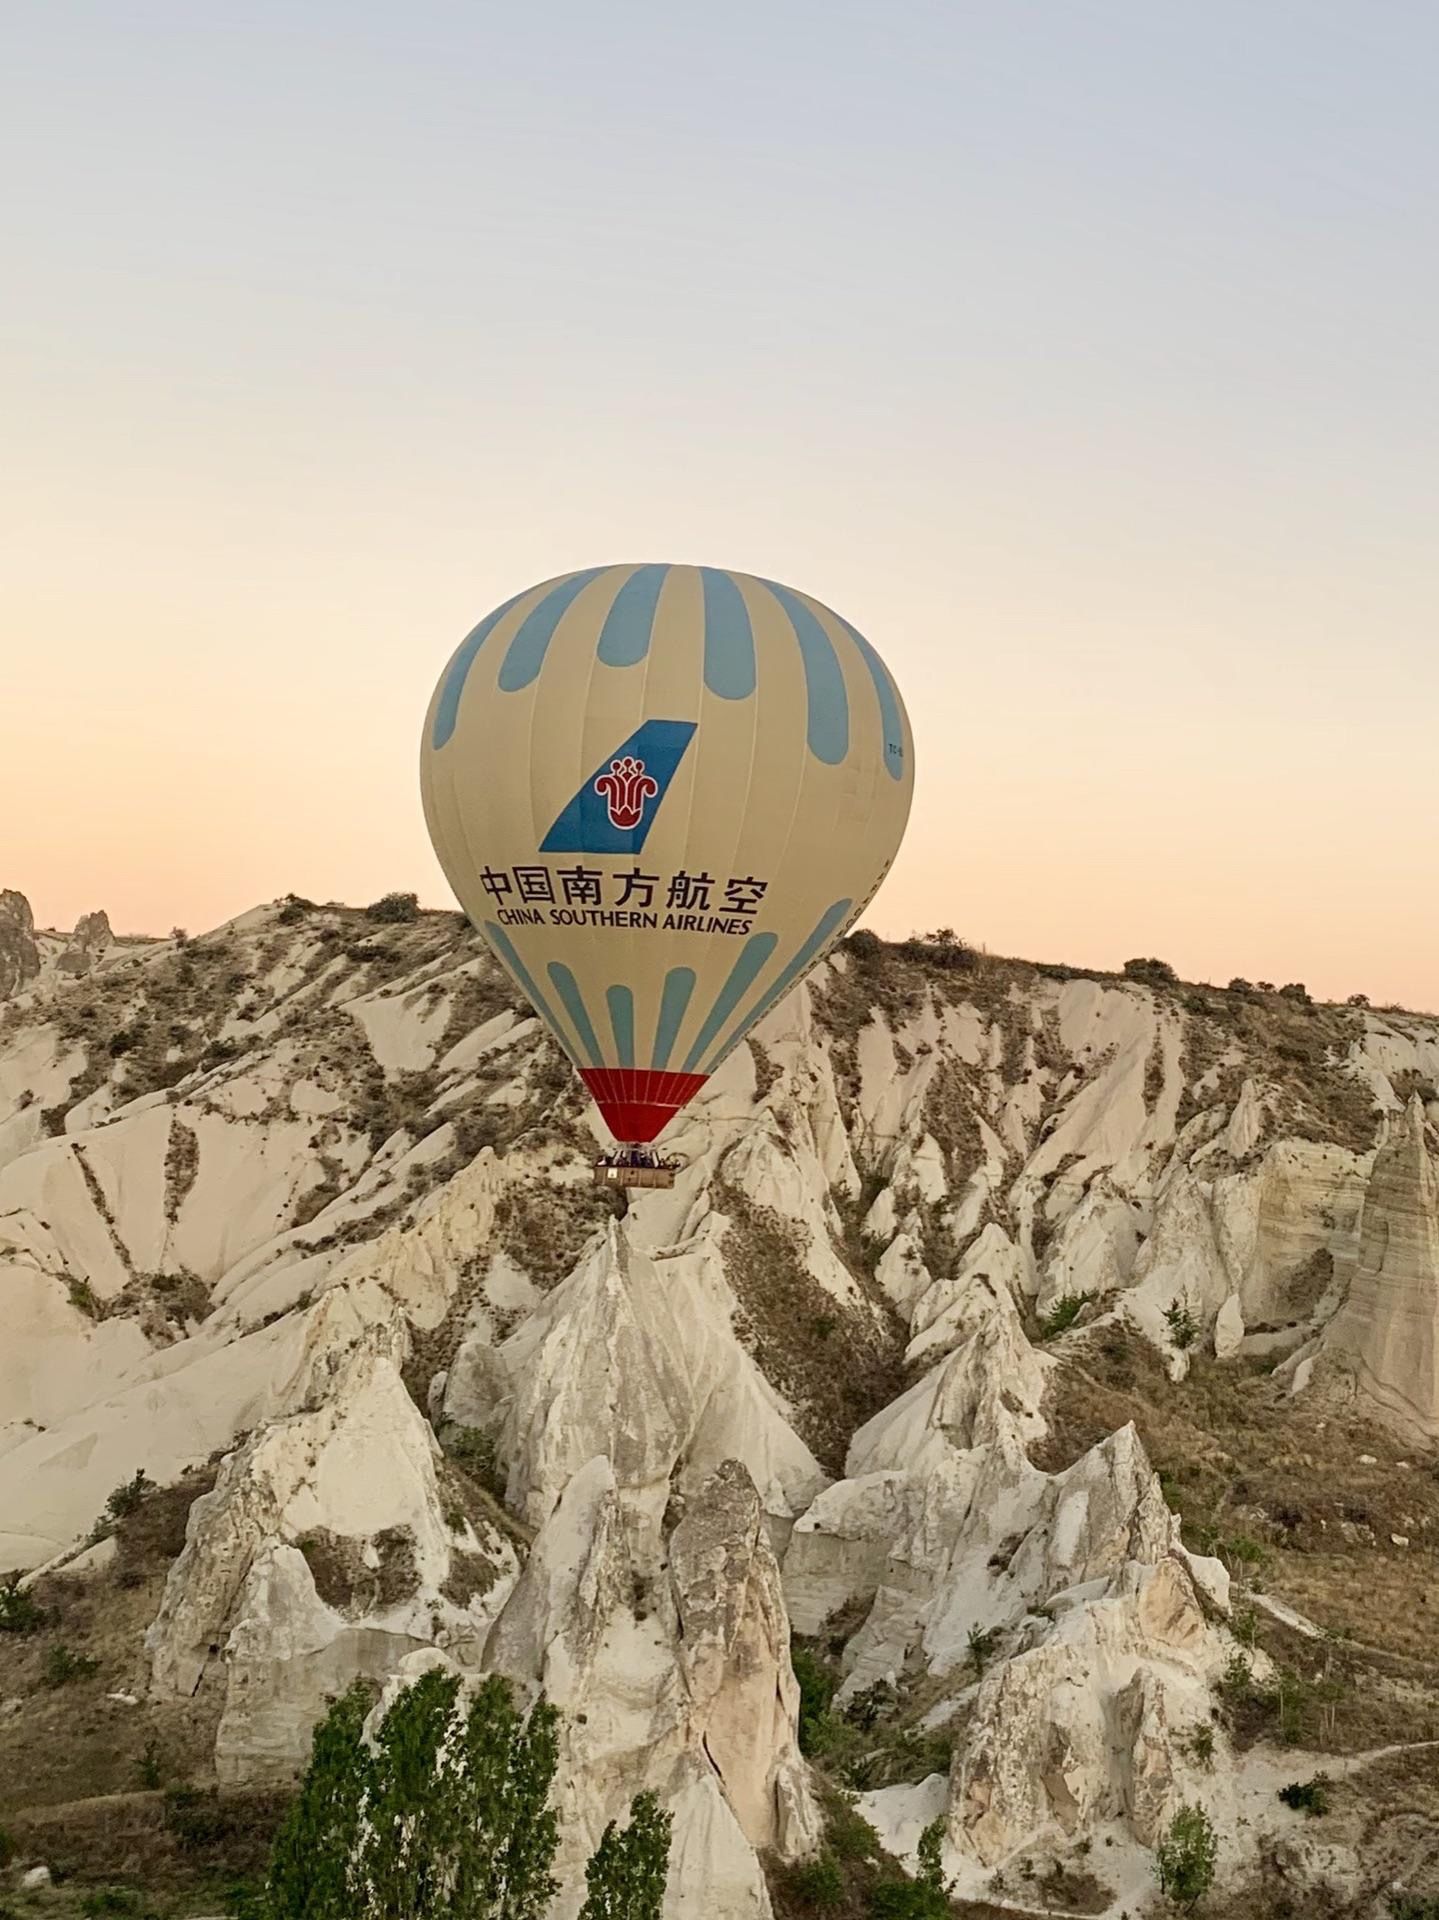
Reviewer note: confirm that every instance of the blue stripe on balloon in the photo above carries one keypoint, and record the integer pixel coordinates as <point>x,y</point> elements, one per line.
<point>829,920</point>
<point>729,637</point>
<point>567,987</point>
<point>505,948</point>
<point>625,636</point>
<point>526,654</point>
<point>891,725</point>
<point>757,950</point>
<point>674,1002</point>
<point>621,1003</point>
<point>448,710</point>
<point>823,677</point>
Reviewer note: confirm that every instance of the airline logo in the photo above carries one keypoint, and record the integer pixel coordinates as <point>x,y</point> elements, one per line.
<point>618,804</point>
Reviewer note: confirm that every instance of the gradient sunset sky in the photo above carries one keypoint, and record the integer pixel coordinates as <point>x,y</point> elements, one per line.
<point>1083,353</point>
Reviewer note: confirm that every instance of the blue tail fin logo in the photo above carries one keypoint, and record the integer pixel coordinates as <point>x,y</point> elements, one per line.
<point>616,806</point>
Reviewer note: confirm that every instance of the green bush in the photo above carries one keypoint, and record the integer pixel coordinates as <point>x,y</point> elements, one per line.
<point>194,1817</point>
<point>941,948</point>
<point>129,1496</point>
<point>907,1900</point>
<point>1245,1626</point>
<point>1155,972</point>
<point>150,1767</point>
<point>1308,1796</point>
<point>819,1883</point>
<point>817,1688</point>
<point>1063,1314</point>
<point>19,1611</point>
<point>62,1665</point>
<point>862,1746</point>
<point>1183,1327</point>
<point>111,1900</point>
<point>980,1641</point>
<point>394,908</point>
<point>1184,1859</point>
<point>849,1834</point>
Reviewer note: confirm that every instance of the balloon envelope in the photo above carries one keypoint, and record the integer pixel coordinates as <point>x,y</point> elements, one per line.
<point>661,793</point>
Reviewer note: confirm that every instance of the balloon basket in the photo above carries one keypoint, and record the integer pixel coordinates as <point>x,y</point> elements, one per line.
<point>634,1167</point>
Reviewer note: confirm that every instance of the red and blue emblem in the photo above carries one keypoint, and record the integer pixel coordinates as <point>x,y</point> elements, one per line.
<point>616,807</point>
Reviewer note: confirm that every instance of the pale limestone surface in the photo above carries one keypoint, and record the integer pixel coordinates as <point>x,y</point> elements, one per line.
<point>940,1174</point>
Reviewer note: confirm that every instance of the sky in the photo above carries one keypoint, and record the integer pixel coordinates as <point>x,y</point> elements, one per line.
<point>1083,353</point>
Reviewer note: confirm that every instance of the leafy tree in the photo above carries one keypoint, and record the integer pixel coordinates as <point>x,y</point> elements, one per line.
<point>311,1869</point>
<point>817,1685</point>
<point>931,1848</point>
<point>20,1612</point>
<point>448,1813</point>
<point>407,1852</point>
<point>394,907</point>
<point>926,1896</point>
<point>1184,1859</point>
<point>1183,1327</point>
<point>863,944</point>
<point>1156,972</point>
<point>627,1872</point>
<point>129,1496</point>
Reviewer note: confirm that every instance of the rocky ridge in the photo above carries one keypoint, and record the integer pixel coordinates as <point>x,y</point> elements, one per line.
<point>960,1247</point>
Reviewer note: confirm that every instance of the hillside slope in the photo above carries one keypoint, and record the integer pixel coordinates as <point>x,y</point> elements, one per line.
<point>1053,1356</point>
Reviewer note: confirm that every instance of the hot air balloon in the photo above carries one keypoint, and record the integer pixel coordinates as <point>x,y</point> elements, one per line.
<point>662,793</point>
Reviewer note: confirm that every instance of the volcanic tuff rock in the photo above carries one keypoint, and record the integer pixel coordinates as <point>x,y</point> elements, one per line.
<point>1387,1331</point>
<point>19,956</point>
<point>967,1269</point>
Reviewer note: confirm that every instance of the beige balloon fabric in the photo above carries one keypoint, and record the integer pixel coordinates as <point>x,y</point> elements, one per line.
<point>662,793</point>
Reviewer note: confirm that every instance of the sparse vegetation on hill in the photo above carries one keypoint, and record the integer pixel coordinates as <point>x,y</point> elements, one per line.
<point>976,1208</point>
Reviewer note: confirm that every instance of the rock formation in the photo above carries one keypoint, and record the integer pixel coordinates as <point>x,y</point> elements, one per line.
<point>1387,1331</point>
<point>19,955</point>
<point>304,1204</point>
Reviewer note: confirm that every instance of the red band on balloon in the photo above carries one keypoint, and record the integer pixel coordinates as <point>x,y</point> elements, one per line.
<point>639,1102</point>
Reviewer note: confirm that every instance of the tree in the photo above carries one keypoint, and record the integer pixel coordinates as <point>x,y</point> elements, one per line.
<point>407,1853</point>
<point>311,1867</point>
<point>1157,972</point>
<point>931,1850</point>
<point>1184,1859</point>
<point>446,1813</point>
<point>627,1872</point>
<point>398,907</point>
